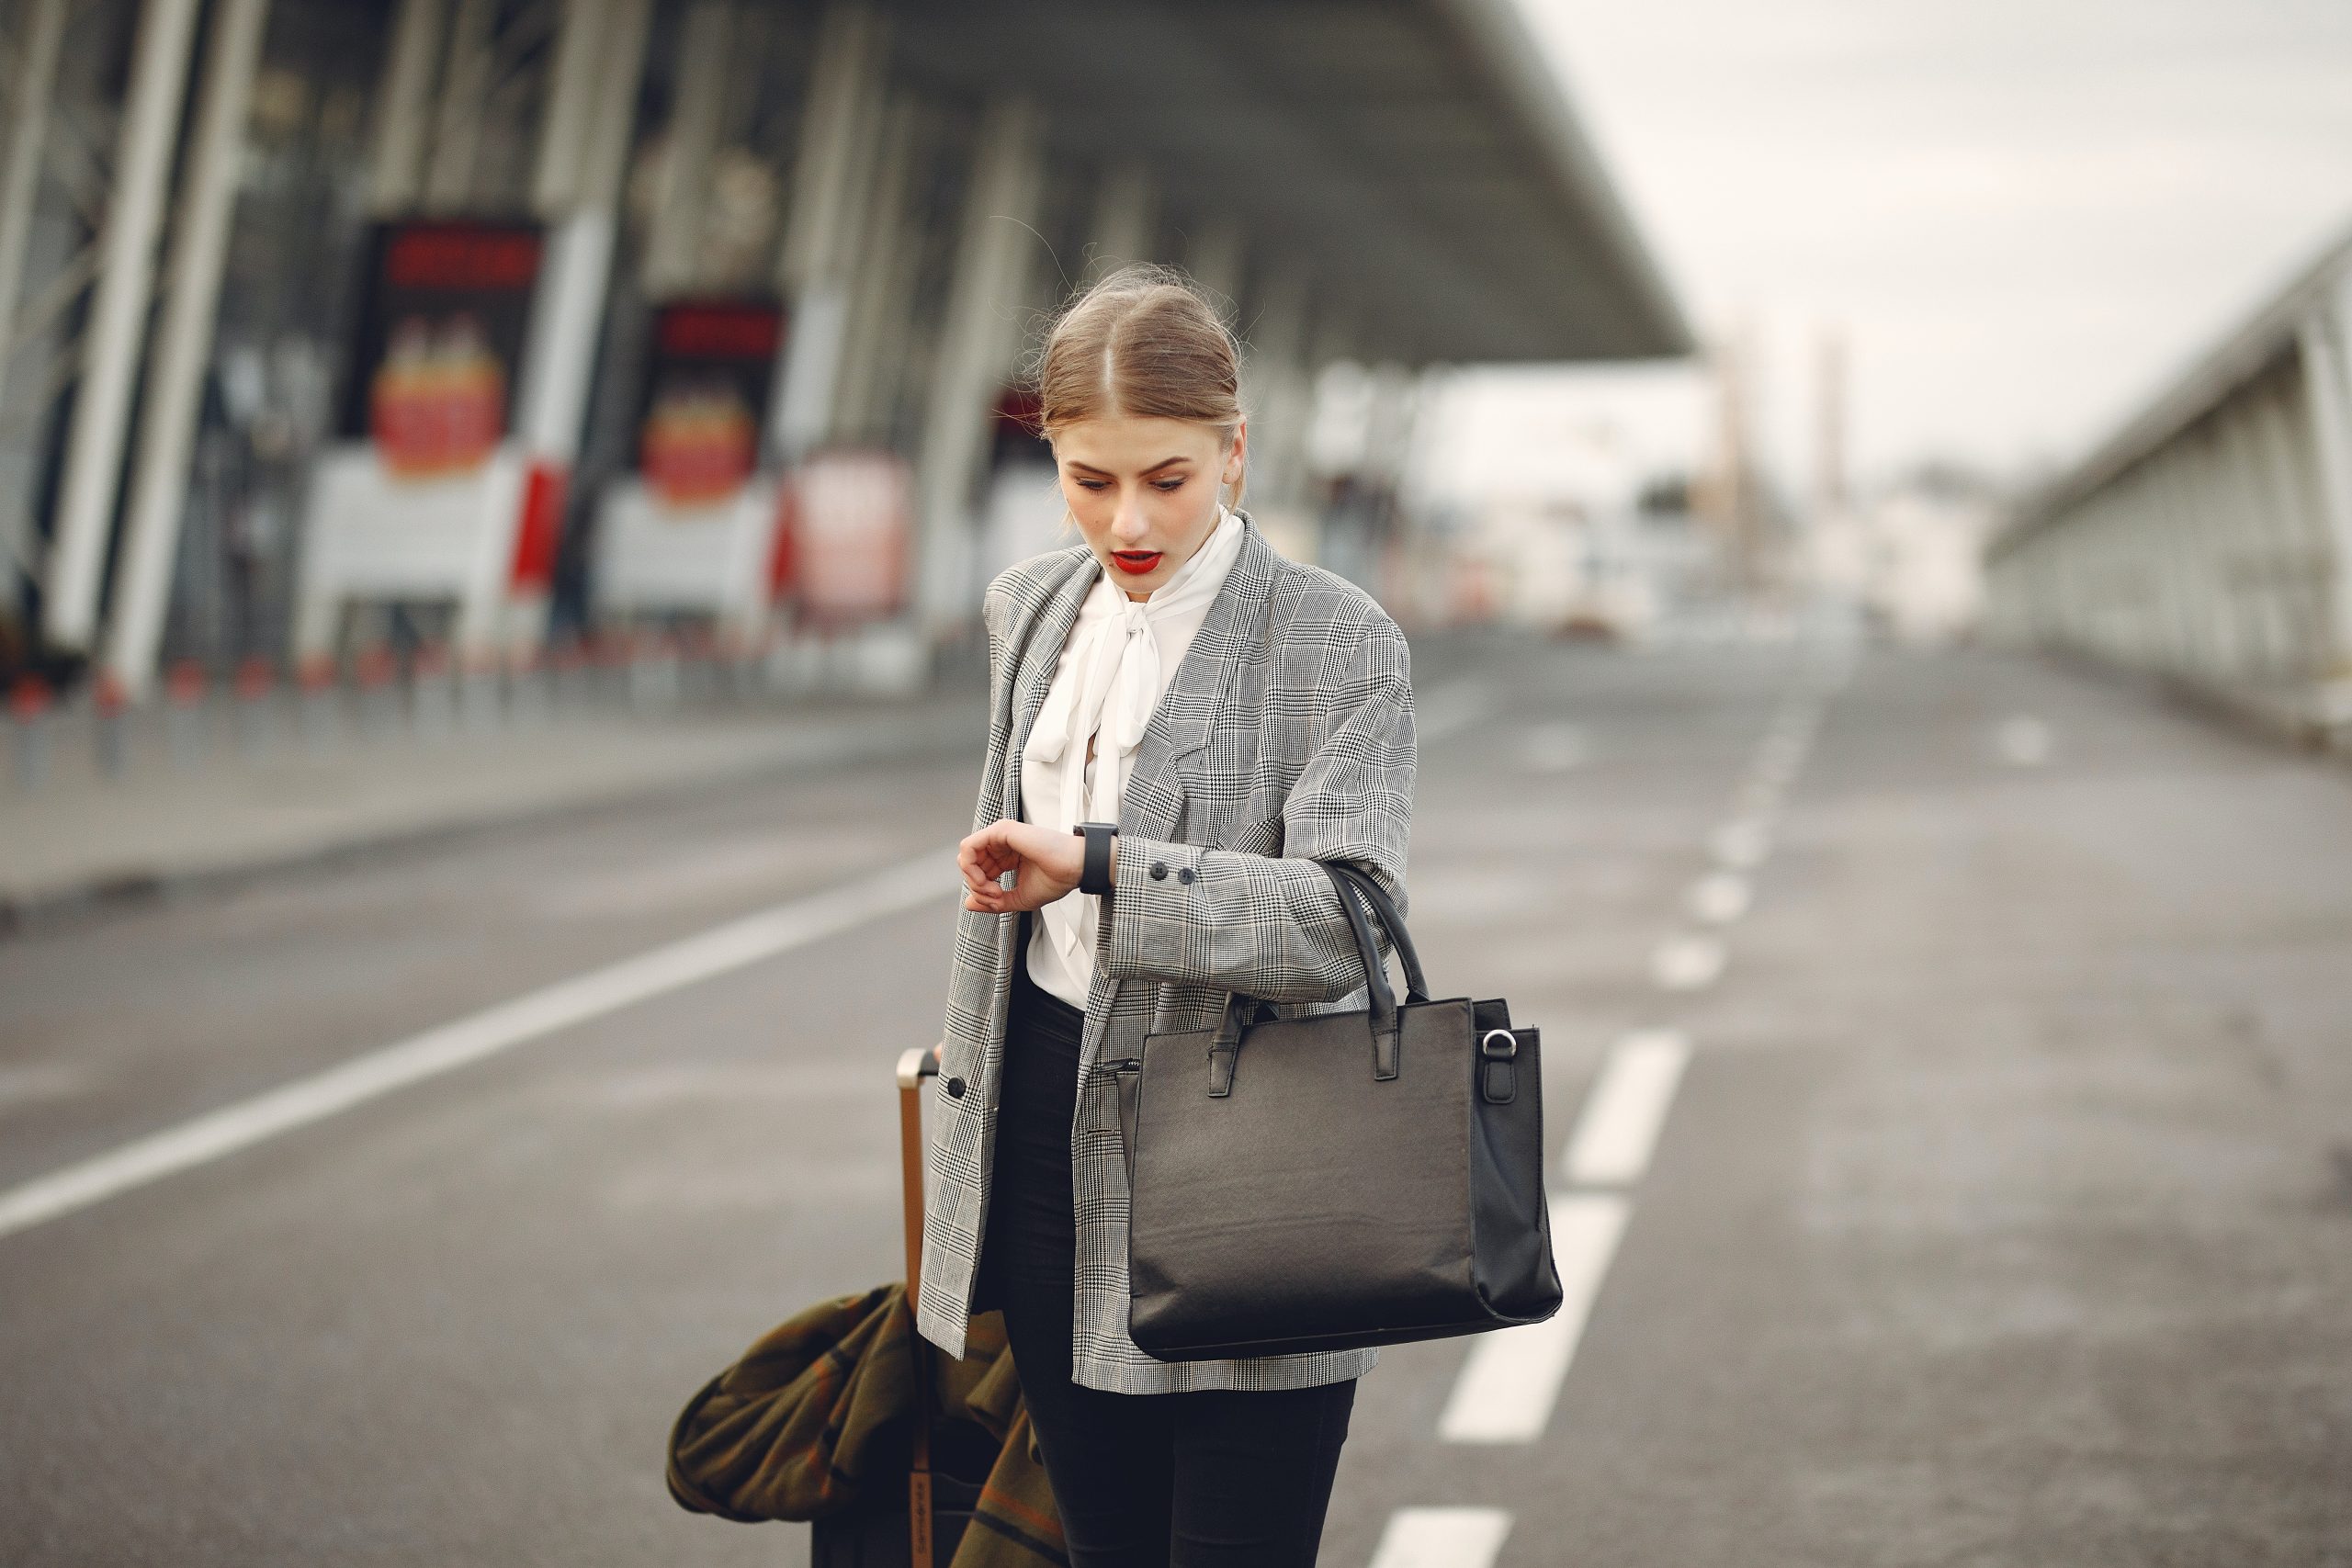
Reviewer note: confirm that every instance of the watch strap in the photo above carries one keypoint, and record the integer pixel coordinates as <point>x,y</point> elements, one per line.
<point>1094,873</point>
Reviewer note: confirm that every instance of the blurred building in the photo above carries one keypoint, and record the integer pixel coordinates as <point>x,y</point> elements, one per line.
<point>469,324</point>
<point>2208,542</point>
<point>1910,555</point>
<point>1593,543</point>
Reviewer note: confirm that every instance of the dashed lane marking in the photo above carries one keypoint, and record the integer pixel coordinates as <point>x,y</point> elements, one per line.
<point>1688,961</point>
<point>1720,897</point>
<point>1741,844</point>
<point>1507,1388</point>
<point>483,1035</point>
<point>1441,1538</point>
<point>1626,1107</point>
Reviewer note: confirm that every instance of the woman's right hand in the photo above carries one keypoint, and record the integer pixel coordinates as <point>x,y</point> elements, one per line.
<point>1047,866</point>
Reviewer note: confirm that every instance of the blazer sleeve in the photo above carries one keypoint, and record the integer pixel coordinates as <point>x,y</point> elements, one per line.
<point>1271,926</point>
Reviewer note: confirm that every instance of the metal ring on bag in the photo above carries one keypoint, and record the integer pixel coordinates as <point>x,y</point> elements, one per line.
<point>1487,1046</point>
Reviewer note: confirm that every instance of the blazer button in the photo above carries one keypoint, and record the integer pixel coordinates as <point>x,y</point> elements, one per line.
<point>1185,873</point>
<point>1159,871</point>
<point>955,1089</point>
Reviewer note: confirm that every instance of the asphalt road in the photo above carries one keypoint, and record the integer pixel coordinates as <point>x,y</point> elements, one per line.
<point>2001,1210</point>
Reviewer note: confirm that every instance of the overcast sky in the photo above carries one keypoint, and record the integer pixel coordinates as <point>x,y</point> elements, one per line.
<point>2024,212</point>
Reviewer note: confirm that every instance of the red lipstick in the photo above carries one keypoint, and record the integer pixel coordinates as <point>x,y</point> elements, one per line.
<point>1135,562</point>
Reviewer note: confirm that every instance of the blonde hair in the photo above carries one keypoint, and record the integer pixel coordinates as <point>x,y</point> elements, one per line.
<point>1145,343</point>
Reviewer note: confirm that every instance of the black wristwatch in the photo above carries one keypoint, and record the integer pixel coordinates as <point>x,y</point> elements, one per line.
<point>1094,875</point>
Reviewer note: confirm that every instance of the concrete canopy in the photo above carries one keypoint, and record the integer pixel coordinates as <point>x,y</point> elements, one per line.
<point>1417,157</point>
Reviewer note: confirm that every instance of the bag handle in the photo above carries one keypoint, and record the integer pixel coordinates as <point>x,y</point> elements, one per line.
<point>1367,886</point>
<point>1355,888</point>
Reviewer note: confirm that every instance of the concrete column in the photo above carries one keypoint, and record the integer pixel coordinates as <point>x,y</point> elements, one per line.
<point>831,182</point>
<point>2224,647</point>
<point>2298,642</point>
<point>1278,392</point>
<point>19,184</point>
<point>1122,229</point>
<point>2248,553</point>
<point>674,256</point>
<point>27,129</point>
<point>1389,426</point>
<point>1213,254</point>
<point>570,120</point>
<point>560,354</point>
<point>158,484</point>
<point>976,347</point>
<point>397,175</point>
<point>2209,654</point>
<point>2164,550</point>
<point>465,97</point>
<point>2282,434</point>
<point>2325,341</point>
<point>118,314</point>
<point>882,297</point>
<point>561,349</point>
<point>2170,479</point>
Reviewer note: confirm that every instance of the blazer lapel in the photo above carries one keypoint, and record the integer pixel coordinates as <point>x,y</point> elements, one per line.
<point>1046,637</point>
<point>1180,725</point>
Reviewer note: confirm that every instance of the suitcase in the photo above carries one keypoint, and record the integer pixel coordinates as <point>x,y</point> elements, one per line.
<point>943,1484</point>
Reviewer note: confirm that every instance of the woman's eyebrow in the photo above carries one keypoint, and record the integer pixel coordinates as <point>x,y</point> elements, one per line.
<point>1163,463</point>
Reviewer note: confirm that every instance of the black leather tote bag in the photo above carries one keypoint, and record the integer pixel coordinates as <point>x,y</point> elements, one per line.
<point>1340,1180</point>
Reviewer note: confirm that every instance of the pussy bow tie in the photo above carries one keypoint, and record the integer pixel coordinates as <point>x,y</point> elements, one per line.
<point>1108,692</point>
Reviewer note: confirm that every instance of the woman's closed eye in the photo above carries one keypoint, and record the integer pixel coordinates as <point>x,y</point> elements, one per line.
<point>1165,486</point>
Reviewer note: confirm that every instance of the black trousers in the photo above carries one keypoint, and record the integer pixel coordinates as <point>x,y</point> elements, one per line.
<point>1236,1478</point>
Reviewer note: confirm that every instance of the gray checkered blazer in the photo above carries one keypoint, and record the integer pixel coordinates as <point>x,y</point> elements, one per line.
<point>1287,737</point>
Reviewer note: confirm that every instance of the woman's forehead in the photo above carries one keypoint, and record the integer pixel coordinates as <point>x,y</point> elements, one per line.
<point>1118,444</point>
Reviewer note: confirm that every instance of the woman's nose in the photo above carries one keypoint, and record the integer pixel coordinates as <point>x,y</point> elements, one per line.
<point>1129,525</point>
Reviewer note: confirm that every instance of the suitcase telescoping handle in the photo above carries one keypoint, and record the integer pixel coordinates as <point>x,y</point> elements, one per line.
<point>913,1068</point>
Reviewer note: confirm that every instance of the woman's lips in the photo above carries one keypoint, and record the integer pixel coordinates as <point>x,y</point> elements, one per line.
<point>1135,562</point>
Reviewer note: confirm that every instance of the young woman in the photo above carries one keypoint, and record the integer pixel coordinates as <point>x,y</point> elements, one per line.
<point>1227,718</point>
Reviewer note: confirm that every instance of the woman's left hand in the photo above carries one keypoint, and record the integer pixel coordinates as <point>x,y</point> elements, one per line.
<point>1046,865</point>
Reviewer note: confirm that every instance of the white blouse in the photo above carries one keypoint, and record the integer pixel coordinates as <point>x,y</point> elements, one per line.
<point>1119,660</point>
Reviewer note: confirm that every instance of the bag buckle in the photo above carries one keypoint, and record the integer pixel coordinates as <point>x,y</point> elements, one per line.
<point>1497,1070</point>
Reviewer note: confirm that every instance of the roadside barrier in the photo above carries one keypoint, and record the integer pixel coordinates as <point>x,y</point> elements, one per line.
<point>183,694</point>
<point>259,710</point>
<point>29,712</point>
<point>255,684</point>
<point>107,705</point>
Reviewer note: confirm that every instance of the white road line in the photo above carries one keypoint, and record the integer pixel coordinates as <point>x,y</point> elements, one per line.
<point>468,1040</point>
<point>1625,1109</point>
<point>1742,844</point>
<point>1719,898</point>
<point>1507,1388</point>
<point>1441,1538</point>
<point>1688,961</point>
